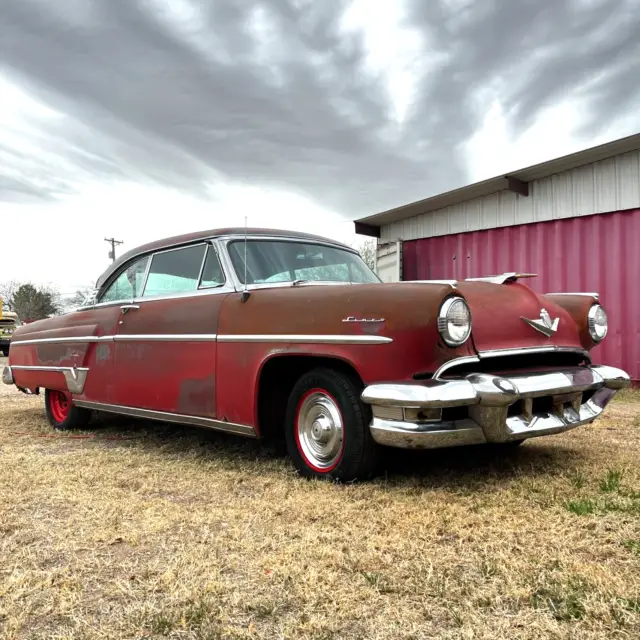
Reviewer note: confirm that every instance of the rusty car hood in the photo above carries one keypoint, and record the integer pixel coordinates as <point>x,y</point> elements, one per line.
<point>497,312</point>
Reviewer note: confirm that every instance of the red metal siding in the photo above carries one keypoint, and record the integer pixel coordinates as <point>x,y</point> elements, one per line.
<point>590,253</point>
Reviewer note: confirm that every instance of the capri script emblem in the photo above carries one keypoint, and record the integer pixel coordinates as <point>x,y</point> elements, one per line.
<point>543,324</point>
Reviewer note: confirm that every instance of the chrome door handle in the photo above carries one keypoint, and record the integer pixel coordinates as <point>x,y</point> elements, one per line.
<point>126,307</point>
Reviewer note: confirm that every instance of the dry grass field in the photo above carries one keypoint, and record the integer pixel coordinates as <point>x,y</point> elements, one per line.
<point>139,530</point>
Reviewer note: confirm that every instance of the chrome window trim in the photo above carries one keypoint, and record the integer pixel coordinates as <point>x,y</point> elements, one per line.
<point>165,416</point>
<point>212,247</point>
<point>116,275</point>
<point>207,291</point>
<point>227,239</point>
<point>153,255</point>
<point>496,353</point>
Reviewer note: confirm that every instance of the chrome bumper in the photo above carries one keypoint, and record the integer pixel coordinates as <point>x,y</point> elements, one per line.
<point>483,408</point>
<point>7,375</point>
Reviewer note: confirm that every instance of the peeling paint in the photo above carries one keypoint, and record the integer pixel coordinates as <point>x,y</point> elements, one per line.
<point>197,397</point>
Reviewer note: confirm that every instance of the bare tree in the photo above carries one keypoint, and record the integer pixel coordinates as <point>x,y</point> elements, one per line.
<point>367,251</point>
<point>7,291</point>
<point>81,297</point>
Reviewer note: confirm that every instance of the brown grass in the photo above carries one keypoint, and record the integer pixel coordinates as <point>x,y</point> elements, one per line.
<point>188,534</point>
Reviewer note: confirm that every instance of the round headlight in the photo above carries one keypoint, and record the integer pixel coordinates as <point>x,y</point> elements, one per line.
<point>597,323</point>
<point>454,321</point>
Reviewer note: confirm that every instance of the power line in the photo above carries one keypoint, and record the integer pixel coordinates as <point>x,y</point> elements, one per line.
<point>113,242</point>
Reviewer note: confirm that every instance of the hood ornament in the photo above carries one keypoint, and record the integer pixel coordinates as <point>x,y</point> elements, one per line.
<point>544,324</point>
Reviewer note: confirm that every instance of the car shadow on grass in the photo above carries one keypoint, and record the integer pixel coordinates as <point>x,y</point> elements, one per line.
<point>459,466</point>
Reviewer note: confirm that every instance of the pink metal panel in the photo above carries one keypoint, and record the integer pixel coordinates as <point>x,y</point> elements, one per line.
<point>590,253</point>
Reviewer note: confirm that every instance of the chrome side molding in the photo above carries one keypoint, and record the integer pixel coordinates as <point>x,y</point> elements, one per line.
<point>164,416</point>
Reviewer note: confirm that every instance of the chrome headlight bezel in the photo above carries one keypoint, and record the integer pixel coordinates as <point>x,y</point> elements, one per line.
<point>443,321</point>
<point>591,320</point>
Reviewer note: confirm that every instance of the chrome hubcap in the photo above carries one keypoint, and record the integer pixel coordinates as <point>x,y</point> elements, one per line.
<point>320,430</point>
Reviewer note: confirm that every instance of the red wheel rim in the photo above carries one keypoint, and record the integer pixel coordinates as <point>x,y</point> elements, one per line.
<point>59,403</point>
<point>319,430</point>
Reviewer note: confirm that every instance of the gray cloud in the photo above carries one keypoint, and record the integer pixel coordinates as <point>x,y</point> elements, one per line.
<point>275,92</point>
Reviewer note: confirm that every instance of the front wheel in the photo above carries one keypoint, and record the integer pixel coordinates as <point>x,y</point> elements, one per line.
<point>327,428</point>
<point>61,413</point>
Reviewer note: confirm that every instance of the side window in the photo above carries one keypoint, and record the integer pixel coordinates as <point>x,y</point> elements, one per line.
<point>174,271</point>
<point>128,284</point>
<point>212,275</point>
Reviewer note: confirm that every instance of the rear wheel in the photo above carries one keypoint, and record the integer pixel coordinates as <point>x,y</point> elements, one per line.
<point>327,428</point>
<point>61,413</point>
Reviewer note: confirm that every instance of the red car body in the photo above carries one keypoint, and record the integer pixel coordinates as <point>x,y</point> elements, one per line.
<point>310,359</point>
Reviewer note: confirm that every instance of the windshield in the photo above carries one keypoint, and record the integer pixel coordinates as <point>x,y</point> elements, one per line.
<point>286,261</point>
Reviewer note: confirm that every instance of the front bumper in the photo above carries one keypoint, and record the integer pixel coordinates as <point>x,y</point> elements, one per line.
<point>483,408</point>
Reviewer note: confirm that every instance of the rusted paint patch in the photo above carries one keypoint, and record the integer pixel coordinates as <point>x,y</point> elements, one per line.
<point>103,352</point>
<point>197,397</point>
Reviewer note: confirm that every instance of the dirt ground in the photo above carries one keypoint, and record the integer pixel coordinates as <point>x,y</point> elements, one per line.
<point>140,530</point>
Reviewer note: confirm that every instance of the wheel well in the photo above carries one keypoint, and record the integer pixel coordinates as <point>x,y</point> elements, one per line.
<point>277,378</point>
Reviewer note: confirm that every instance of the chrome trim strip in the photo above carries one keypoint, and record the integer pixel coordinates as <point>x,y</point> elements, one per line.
<point>37,367</point>
<point>496,353</point>
<point>62,340</point>
<point>581,293</point>
<point>197,421</point>
<point>155,337</point>
<point>502,278</point>
<point>205,291</point>
<point>450,364</point>
<point>212,337</point>
<point>303,339</point>
<point>147,270</point>
<point>452,283</point>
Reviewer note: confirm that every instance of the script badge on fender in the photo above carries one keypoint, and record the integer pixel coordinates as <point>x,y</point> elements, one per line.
<point>544,324</point>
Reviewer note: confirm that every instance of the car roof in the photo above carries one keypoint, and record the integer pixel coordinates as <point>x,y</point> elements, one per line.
<point>173,241</point>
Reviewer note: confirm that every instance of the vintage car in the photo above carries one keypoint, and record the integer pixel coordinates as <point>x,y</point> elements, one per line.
<point>9,322</point>
<point>284,335</point>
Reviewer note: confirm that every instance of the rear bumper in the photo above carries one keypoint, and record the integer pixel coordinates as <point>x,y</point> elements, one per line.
<point>483,408</point>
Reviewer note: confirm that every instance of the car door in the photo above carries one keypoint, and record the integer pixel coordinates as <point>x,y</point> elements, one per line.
<point>165,349</point>
<point>99,321</point>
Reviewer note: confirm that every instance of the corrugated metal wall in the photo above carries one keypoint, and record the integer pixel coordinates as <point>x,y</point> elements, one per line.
<point>608,185</point>
<point>592,253</point>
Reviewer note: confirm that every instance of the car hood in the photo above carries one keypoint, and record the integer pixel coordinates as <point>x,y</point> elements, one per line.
<point>498,312</point>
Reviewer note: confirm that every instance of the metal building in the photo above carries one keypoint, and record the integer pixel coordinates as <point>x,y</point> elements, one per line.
<point>575,221</point>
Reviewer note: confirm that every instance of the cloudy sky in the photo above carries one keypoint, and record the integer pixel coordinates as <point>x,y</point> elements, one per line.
<point>144,118</point>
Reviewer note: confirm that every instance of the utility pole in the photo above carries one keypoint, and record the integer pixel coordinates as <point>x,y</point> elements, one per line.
<point>113,242</point>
